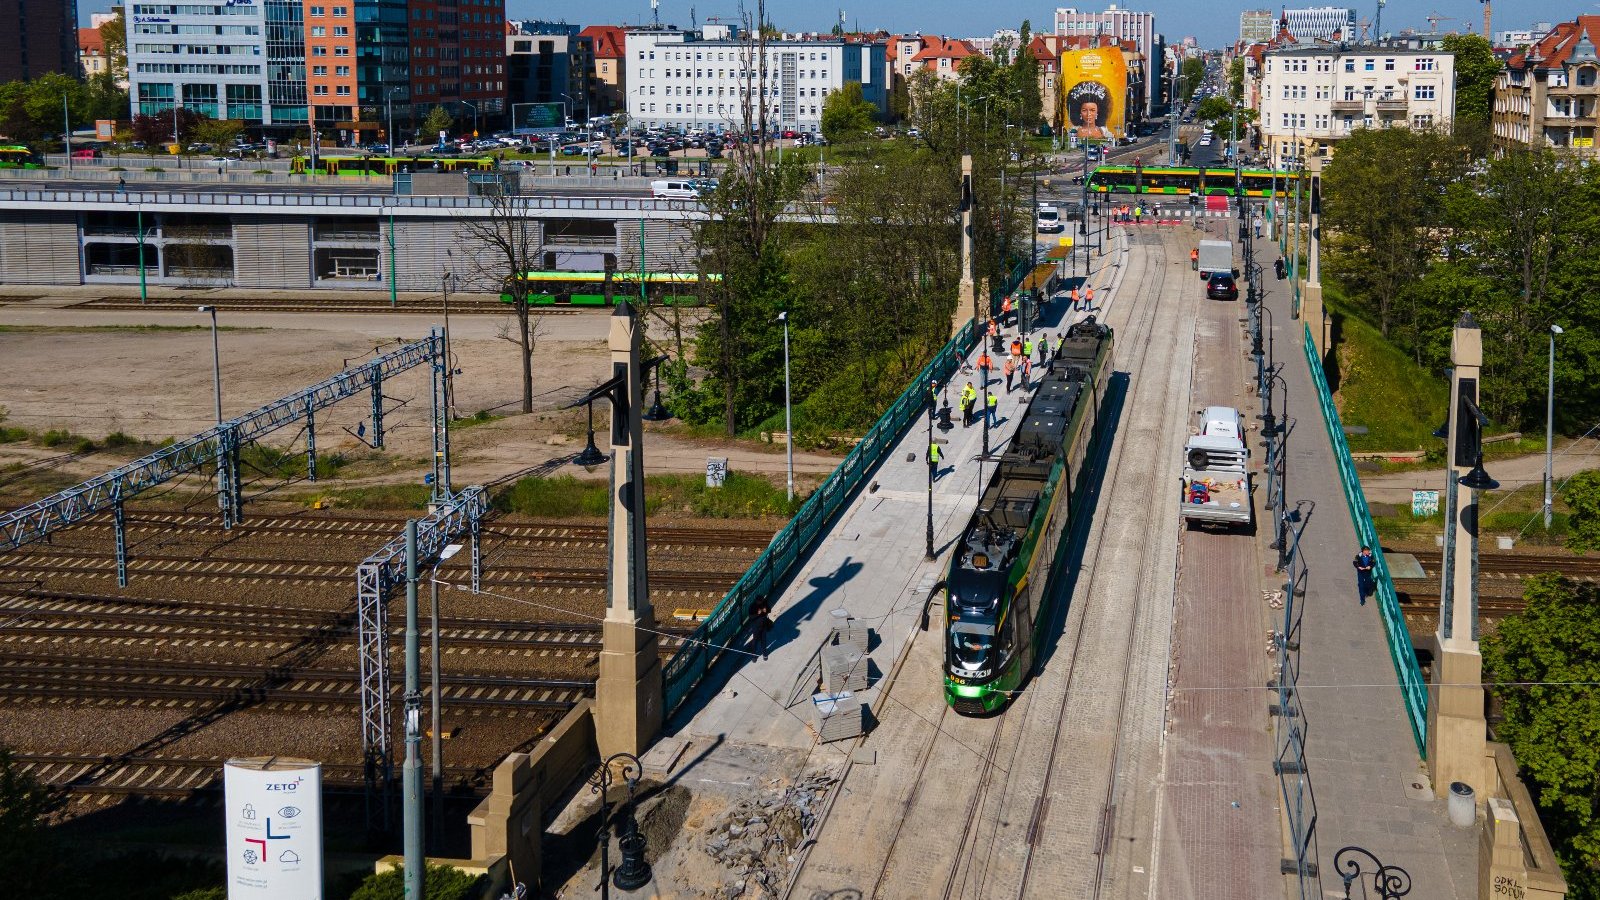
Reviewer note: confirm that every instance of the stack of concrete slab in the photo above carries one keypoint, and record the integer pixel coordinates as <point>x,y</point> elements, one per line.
<point>838,716</point>
<point>844,668</point>
<point>848,631</point>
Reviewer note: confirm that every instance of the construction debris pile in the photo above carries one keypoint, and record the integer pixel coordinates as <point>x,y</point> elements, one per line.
<point>756,840</point>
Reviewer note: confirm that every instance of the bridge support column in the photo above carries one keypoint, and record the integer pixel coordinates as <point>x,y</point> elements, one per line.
<point>628,695</point>
<point>1457,728</point>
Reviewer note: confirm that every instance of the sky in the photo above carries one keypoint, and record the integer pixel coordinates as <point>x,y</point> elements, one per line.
<point>1214,24</point>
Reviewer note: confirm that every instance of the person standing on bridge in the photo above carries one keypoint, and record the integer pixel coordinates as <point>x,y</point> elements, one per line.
<point>969,398</point>
<point>1363,563</point>
<point>1044,343</point>
<point>1257,223</point>
<point>994,410</point>
<point>1072,296</point>
<point>985,365</point>
<point>1011,369</point>
<point>1027,369</point>
<point>1194,259</point>
<point>760,625</point>
<point>1005,310</point>
<point>1088,299</point>
<point>1027,348</point>
<point>935,456</point>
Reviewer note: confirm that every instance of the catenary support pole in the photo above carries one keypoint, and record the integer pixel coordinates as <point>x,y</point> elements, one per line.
<point>412,770</point>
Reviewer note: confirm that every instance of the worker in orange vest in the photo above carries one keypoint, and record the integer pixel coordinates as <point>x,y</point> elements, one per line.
<point>1005,309</point>
<point>1088,299</point>
<point>1016,346</point>
<point>1194,259</point>
<point>984,365</point>
<point>1073,296</point>
<point>1011,369</point>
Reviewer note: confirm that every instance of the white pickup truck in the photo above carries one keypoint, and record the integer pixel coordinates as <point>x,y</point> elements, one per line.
<point>1215,486</point>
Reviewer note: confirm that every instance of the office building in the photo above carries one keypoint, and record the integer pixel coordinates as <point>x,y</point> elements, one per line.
<point>210,57</point>
<point>550,62</point>
<point>1549,94</point>
<point>38,37</point>
<point>1325,22</point>
<point>1256,26</point>
<point>701,79</point>
<point>1312,97</point>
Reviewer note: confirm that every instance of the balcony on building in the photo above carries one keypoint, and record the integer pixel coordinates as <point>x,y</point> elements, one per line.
<point>1391,103</point>
<point>1349,104</point>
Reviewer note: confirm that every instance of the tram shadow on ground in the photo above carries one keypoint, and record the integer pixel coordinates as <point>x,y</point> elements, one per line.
<point>744,648</point>
<point>1072,562</point>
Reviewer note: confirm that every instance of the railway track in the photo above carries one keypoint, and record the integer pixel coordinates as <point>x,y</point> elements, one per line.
<point>62,561</point>
<point>332,304</point>
<point>176,777</point>
<point>53,677</point>
<point>1519,565</point>
<point>64,616</point>
<point>538,532</point>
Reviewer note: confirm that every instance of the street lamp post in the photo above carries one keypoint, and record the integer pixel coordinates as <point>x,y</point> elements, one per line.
<point>433,677</point>
<point>66,129</point>
<point>1550,428</point>
<point>216,356</point>
<point>388,101</point>
<point>788,425</point>
<point>634,872</point>
<point>144,293</point>
<point>1390,882</point>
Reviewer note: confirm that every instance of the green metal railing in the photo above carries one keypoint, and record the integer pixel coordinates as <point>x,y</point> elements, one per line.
<point>791,546</point>
<point>1412,688</point>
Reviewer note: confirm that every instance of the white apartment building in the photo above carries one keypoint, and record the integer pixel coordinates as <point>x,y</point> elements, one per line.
<point>1311,98</point>
<point>205,55</point>
<point>1321,22</point>
<point>698,80</point>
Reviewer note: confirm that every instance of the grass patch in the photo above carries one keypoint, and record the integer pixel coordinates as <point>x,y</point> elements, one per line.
<point>378,496</point>
<point>1499,513</point>
<point>1379,387</point>
<point>741,496</point>
<point>289,464</point>
<point>481,417</point>
<point>66,329</point>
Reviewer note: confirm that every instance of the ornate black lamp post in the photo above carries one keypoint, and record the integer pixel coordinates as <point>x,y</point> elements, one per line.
<point>1389,881</point>
<point>634,873</point>
<point>657,411</point>
<point>591,455</point>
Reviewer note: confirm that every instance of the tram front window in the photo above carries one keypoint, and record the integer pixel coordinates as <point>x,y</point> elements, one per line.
<point>970,644</point>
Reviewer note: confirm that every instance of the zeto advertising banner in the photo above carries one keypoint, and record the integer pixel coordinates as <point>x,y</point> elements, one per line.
<point>1094,92</point>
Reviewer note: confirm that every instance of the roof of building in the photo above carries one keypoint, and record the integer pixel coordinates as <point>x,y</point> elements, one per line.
<point>934,48</point>
<point>1567,42</point>
<point>610,41</point>
<point>90,41</point>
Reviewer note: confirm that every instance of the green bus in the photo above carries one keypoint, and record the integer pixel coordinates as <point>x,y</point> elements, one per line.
<point>361,166</point>
<point>1189,180</point>
<point>589,288</point>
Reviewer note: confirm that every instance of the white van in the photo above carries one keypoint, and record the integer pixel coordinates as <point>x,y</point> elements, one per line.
<point>675,190</point>
<point>1048,220</point>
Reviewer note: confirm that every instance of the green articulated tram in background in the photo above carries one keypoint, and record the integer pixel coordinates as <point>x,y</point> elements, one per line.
<point>389,165</point>
<point>1186,180</point>
<point>1002,582</point>
<point>589,288</point>
<point>17,156</point>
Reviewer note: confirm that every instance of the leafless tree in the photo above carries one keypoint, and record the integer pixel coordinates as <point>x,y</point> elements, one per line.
<point>499,248</point>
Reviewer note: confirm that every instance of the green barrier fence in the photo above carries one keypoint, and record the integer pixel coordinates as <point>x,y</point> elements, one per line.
<point>792,544</point>
<point>1412,688</point>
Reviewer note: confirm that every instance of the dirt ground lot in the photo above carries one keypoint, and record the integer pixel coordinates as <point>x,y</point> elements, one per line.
<point>148,374</point>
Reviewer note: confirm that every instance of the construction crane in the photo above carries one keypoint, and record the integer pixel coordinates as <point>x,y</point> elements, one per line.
<point>1434,19</point>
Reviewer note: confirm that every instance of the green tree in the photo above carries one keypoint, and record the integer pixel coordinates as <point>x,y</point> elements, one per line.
<point>114,34</point>
<point>1544,663</point>
<point>1476,67</point>
<point>1379,247</point>
<point>1582,497</point>
<point>1236,79</point>
<point>846,116</point>
<point>219,133</point>
<point>438,883</point>
<point>1190,75</point>
<point>436,121</point>
<point>1024,72</point>
<point>28,855</point>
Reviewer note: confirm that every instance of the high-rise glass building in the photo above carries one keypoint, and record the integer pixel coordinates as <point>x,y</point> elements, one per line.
<point>1321,22</point>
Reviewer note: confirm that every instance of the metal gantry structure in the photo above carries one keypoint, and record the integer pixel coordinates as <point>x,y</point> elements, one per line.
<point>219,446</point>
<point>379,575</point>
